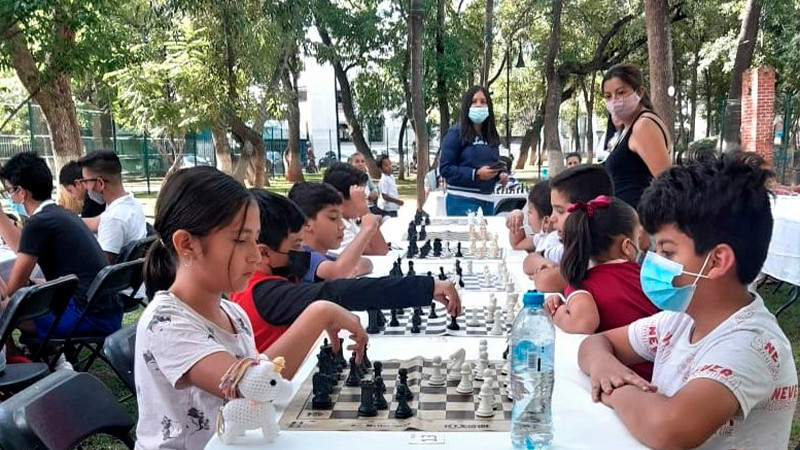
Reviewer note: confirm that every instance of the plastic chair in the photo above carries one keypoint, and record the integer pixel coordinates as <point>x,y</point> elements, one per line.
<point>133,251</point>
<point>119,351</point>
<point>27,304</point>
<point>61,411</point>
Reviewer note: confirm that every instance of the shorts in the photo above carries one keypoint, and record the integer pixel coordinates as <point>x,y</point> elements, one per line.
<point>89,326</point>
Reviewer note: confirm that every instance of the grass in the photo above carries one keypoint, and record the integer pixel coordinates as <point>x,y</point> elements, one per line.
<point>789,321</point>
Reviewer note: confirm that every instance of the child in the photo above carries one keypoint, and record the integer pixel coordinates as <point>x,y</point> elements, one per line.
<point>323,232</point>
<point>390,199</point>
<point>604,231</point>
<point>573,159</point>
<point>351,184</point>
<point>578,184</point>
<point>531,230</point>
<point>188,337</point>
<point>273,299</point>
<point>724,376</point>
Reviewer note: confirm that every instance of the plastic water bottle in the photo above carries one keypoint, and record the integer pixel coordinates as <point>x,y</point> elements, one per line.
<point>532,348</point>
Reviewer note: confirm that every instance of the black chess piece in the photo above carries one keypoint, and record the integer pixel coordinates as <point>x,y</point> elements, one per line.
<point>453,325</point>
<point>365,362</point>
<point>417,218</point>
<point>432,314</point>
<point>403,411</point>
<point>381,318</point>
<point>411,272</point>
<point>359,367</point>
<point>367,406</point>
<point>393,272</point>
<point>425,249</point>
<point>460,281</point>
<point>353,378</point>
<point>402,375</point>
<point>458,251</point>
<point>442,275</point>
<point>377,368</point>
<point>430,275</point>
<point>427,219</point>
<point>416,321</point>
<point>399,267</point>
<point>373,327</point>
<point>422,233</point>
<point>393,322</point>
<point>380,389</point>
<point>340,356</point>
<point>437,247</point>
<point>322,392</point>
<point>505,353</point>
<point>412,249</point>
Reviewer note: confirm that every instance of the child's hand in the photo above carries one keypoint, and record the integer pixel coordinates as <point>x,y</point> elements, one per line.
<point>369,222</point>
<point>552,303</point>
<point>514,220</point>
<point>342,319</point>
<point>546,264</point>
<point>445,292</point>
<point>607,374</point>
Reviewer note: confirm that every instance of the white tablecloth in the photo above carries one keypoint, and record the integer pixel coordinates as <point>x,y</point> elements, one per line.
<point>435,203</point>
<point>783,257</point>
<point>7,260</point>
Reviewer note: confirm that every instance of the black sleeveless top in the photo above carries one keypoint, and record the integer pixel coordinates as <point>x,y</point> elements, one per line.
<point>627,169</point>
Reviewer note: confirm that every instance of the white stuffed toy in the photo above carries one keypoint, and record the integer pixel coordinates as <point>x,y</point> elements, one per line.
<point>253,386</point>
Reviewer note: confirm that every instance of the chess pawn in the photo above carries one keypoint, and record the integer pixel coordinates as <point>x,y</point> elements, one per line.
<point>495,251</point>
<point>510,286</point>
<point>472,246</point>
<point>473,318</point>
<point>486,395</point>
<point>469,268</point>
<point>497,324</point>
<point>437,379</point>
<point>487,277</point>
<point>511,313</point>
<point>483,364</point>
<point>465,385</point>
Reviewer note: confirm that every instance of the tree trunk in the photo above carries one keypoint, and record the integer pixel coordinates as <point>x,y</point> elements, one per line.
<point>707,77</point>
<point>106,131</point>
<point>417,98</point>
<point>487,42</point>
<point>54,96</point>
<point>294,167</point>
<point>693,94</point>
<point>538,123</point>
<point>552,139</point>
<point>353,125</point>
<point>441,82</point>
<point>245,155</point>
<point>659,52</point>
<point>744,54</point>
<point>222,149</point>
<point>255,154</point>
<point>588,98</point>
<point>402,174</point>
<point>524,148</point>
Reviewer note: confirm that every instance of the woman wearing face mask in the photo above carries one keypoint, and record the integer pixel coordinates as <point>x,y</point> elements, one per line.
<point>642,151</point>
<point>604,233</point>
<point>470,157</point>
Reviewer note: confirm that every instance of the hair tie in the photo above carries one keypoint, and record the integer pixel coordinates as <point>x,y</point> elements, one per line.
<point>601,201</point>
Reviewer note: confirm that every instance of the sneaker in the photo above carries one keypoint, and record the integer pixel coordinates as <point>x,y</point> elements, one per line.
<point>63,364</point>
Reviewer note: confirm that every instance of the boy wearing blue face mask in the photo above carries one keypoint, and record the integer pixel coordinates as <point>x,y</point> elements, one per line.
<point>724,376</point>
<point>531,230</point>
<point>470,160</point>
<point>274,298</point>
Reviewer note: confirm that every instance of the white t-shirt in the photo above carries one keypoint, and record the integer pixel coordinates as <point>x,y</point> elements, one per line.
<point>554,250</point>
<point>351,229</point>
<point>543,241</point>
<point>122,222</point>
<point>388,186</point>
<point>171,338</point>
<point>748,353</point>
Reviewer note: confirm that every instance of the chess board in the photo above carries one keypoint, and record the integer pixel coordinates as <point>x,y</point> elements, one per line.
<point>438,325</point>
<point>444,235</point>
<point>434,408</point>
<point>465,252</point>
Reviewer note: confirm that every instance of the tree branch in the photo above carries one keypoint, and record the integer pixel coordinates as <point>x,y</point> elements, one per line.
<point>499,71</point>
<point>16,110</point>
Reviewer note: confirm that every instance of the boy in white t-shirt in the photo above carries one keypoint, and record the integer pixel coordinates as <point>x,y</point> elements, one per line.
<point>724,376</point>
<point>390,199</point>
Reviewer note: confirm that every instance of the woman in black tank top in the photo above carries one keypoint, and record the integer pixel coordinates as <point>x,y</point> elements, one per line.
<point>642,152</point>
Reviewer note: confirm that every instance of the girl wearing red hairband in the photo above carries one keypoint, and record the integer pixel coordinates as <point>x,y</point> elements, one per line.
<point>602,233</point>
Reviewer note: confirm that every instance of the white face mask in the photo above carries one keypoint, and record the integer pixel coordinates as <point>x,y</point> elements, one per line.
<point>526,222</point>
<point>96,197</point>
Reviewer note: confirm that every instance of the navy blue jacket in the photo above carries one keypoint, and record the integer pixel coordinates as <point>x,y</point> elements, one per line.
<point>460,162</point>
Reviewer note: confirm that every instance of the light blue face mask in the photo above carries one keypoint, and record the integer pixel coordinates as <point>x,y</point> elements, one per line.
<point>478,114</point>
<point>18,208</point>
<point>657,275</point>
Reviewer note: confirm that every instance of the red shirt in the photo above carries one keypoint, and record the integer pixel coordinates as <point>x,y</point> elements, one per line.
<point>264,333</point>
<point>620,300</point>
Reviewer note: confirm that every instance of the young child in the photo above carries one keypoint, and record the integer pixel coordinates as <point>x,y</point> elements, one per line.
<point>351,184</point>
<point>606,232</point>
<point>573,159</point>
<point>390,199</point>
<point>724,376</point>
<point>531,230</point>
<point>577,184</point>
<point>188,337</point>
<point>324,230</point>
<point>273,299</point>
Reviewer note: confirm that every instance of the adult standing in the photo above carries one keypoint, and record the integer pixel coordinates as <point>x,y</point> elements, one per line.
<point>470,156</point>
<point>643,149</point>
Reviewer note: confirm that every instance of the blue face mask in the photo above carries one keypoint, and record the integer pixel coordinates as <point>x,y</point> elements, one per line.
<point>18,208</point>
<point>657,275</point>
<point>478,114</point>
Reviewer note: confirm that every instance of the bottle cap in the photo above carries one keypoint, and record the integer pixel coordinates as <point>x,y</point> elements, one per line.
<point>533,298</point>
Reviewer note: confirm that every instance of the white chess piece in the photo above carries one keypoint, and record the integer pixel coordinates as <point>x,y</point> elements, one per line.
<point>457,282</point>
<point>465,385</point>
<point>491,308</point>
<point>469,268</point>
<point>483,345</point>
<point>437,379</point>
<point>487,277</point>
<point>472,246</point>
<point>486,405</point>
<point>497,324</point>
<point>511,314</point>
<point>483,364</point>
<point>454,365</point>
<point>510,286</point>
<point>473,318</point>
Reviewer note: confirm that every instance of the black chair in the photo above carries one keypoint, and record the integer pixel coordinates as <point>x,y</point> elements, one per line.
<point>111,280</point>
<point>27,304</point>
<point>119,351</point>
<point>61,411</point>
<point>132,251</point>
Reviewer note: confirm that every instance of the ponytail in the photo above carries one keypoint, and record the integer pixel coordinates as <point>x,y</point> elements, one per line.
<point>159,269</point>
<point>577,248</point>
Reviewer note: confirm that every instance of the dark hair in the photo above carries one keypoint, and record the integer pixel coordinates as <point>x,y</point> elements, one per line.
<point>586,237</point>
<point>611,130</point>
<point>103,162</point>
<point>70,173</point>
<point>574,155</point>
<point>30,172</point>
<point>488,127</point>
<point>279,217</point>
<point>583,183</point>
<point>383,158</point>
<point>311,197</point>
<point>342,175</point>
<point>539,197</point>
<point>719,200</point>
<point>632,76</point>
<point>198,200</point>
